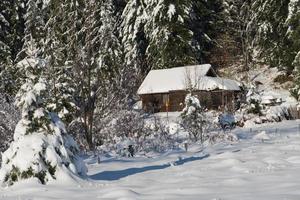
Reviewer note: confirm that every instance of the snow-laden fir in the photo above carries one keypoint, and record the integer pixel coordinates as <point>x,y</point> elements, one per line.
<point>41,146</point>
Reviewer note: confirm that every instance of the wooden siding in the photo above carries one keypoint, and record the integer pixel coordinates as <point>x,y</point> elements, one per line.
<point>174,101</point>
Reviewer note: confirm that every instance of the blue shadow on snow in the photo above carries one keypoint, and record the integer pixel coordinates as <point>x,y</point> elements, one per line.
<point>116,175</point>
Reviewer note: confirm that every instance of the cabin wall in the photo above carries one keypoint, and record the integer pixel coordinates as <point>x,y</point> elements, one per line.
<point>215,100</point>
<point>174,101</point>
<point>164,102</point>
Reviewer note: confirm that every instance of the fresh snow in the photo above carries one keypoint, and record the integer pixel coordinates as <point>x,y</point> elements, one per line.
<point>171,11</point>
<point>33,153</point>
<point>179,78</point>
<point>251,168</point>
<point>262,136</point>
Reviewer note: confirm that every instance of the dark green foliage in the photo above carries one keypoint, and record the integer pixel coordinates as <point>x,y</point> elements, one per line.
<point>51,169</point>
<point>207,24</point>
<point>255,107</point>
<point>38,123</point>
<point>27,174</point>
<point>6,178</point>
<point>12,26</point>
<point>12,29</point>
<point>170,38</point>
<point>14,174</point>
<point>274,28</point>
<point>41,176</point>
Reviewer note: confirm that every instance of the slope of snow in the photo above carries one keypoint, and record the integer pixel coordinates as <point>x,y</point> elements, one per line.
<point>248,169</point>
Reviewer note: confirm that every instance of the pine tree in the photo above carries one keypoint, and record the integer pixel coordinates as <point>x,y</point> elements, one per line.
<point>169,35</point>
<point>270,39</point>
<point>41,146</point>
<point>93,62</point>
<point>34,27</point>
<point>115,74</point>
<point>12,32</point>
<point>33,35</point>
<point>134,38</point>
<point>5,25</point>
<point>193,118</point>
<point>59,72</point>
<point>208,25</point>
<point>293,34</point>
<point>31,96</point>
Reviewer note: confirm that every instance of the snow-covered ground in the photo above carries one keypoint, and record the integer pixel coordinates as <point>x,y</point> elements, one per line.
<point>264,164</point>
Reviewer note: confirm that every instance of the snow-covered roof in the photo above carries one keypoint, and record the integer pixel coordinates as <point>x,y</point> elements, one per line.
<point>178,78</point>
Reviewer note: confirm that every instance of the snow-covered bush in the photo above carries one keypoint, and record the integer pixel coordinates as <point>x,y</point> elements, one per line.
<point>253,98</point>
<point>136,129</point>
<point>119,127</point>
<point>222,137</point>
<point>226,121</point>
<point>41,147</point>
<point>130,124</point>
<point>160,137</point>
<point>193,119</point>
<point>278,113</point>
<point>295,92</point>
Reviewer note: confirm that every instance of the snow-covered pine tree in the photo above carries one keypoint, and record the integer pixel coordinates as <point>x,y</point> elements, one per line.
<point>59,72</point>
<point>169,35</point>
<point>34,27</point>
<point>118,78</point>
<point>33,34</point>
<point>86,64</point>
<point>5,53</point>
<point>271,41</point>
<point>115,82</point>
<point>41,147</point>
<point>293,34</point>
<point>109,83</point>
<point>71,25</point>
<point>292,27</point>
<point>230,34</point>
<point>6,13</point>
<point>207,24</point>
<point>295,91</point>
<point>133,36</point>
<point>11,41</point>
<point>193,118</point>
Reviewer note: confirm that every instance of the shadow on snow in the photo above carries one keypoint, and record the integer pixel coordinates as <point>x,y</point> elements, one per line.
<point>116,175</point>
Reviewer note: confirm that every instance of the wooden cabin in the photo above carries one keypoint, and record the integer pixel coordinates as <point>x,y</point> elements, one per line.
<point>165,89</point>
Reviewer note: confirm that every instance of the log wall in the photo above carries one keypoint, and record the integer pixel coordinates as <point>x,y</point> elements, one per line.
<point>174,101</point>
